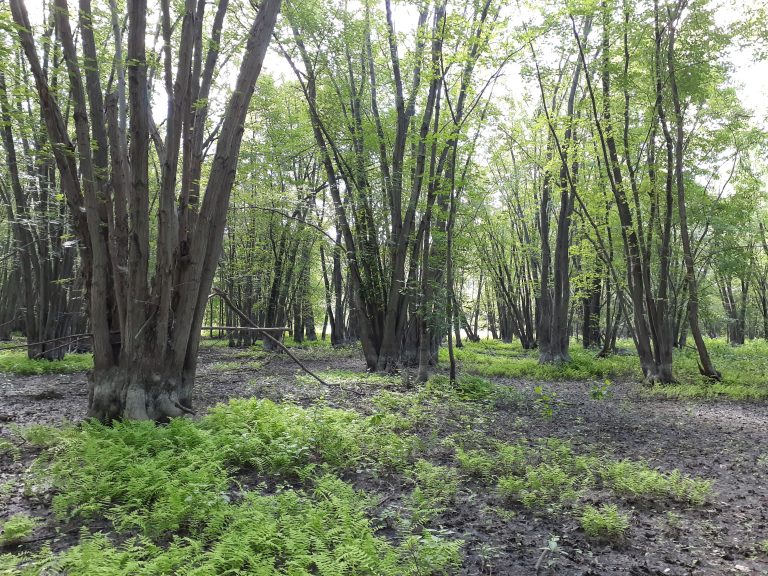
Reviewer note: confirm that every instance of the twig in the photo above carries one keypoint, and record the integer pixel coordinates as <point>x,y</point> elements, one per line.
<point>28,344</point>
<point>244,317</point>
<point>245,328</point>
<point>543,555</point>
<point>183,408</point>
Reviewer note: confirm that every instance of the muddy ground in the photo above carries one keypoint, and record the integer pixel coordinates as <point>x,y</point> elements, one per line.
<point>723,441</point>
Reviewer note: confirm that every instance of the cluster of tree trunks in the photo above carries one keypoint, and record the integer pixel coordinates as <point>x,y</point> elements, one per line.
<point>38,284</point>
<point>400,281</point>
<point>145,324</point>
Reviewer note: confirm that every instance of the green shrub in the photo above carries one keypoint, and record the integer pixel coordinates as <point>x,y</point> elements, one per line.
<point>545,401</point>
<point>8,448</point>
<point>436,488</point>
<point>439,384</point>
<point>553,450</point>
<point>512,458</point>
<point>155,479</point>
<point>508,459</point>
<point>322,531</point>
<point>162,479</point>
<point>542,486</point>
<point>474,388</point>
<point>600,390</point>
<point>637,480</point>
<point>508,398</point>
<point>162,482</point>
<point>604,523</point>
<point>426,554</point>
<point>550,475</point>
<point>283,438</point>
<point>477,463</point>
<point>40,436</point>
<point>17,528</point>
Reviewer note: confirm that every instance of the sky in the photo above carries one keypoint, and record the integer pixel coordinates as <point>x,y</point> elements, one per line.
<point>748,73</point>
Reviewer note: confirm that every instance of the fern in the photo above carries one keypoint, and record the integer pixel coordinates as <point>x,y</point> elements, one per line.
<point>155,483</point>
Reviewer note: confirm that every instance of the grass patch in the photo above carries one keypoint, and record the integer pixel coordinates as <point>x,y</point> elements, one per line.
<point>251,354</point>
<point>16,362</point>
<point>744,368</point>
<point>289,342</point>
<point>491,358</point>
<point>744,372</point>
<point>206,342</point>
<point>468,387</point>
<point>235,366</point>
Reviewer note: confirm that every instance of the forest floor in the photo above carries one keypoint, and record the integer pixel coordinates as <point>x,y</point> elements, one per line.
<point>524,473</point>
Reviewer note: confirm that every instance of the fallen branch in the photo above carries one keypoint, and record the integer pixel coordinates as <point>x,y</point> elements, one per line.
<point>76,338</point>
<point>246,328</point>
<point>244,317</point>
<point>183,408</point>
<point>544,553</point>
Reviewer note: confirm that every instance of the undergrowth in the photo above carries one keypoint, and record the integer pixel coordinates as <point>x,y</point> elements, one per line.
<point>492,358</point>
<point>17,528</point>
<point>183,485</point>
<point>17,362</point>
<point>548,476</point>
<point>436,488</point>
<point>257,487</point>
<point>744,368</point>
<point>341,377</point>
<point>637,480</point>
<point>604,523</point>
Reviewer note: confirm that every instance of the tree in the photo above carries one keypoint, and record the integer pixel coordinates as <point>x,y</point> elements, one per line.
<point>146,327</point>
<point>402,112</point>
<point>552,332</point>
<point>705,363</point>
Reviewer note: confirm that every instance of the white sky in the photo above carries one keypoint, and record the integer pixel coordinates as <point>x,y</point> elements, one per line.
<point>749,75</point>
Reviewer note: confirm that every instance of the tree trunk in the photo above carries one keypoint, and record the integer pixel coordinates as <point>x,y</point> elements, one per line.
<point>590,330</point>
<point>705,363</point>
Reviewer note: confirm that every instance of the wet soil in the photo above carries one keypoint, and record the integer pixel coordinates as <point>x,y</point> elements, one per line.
<point>723,441</point>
